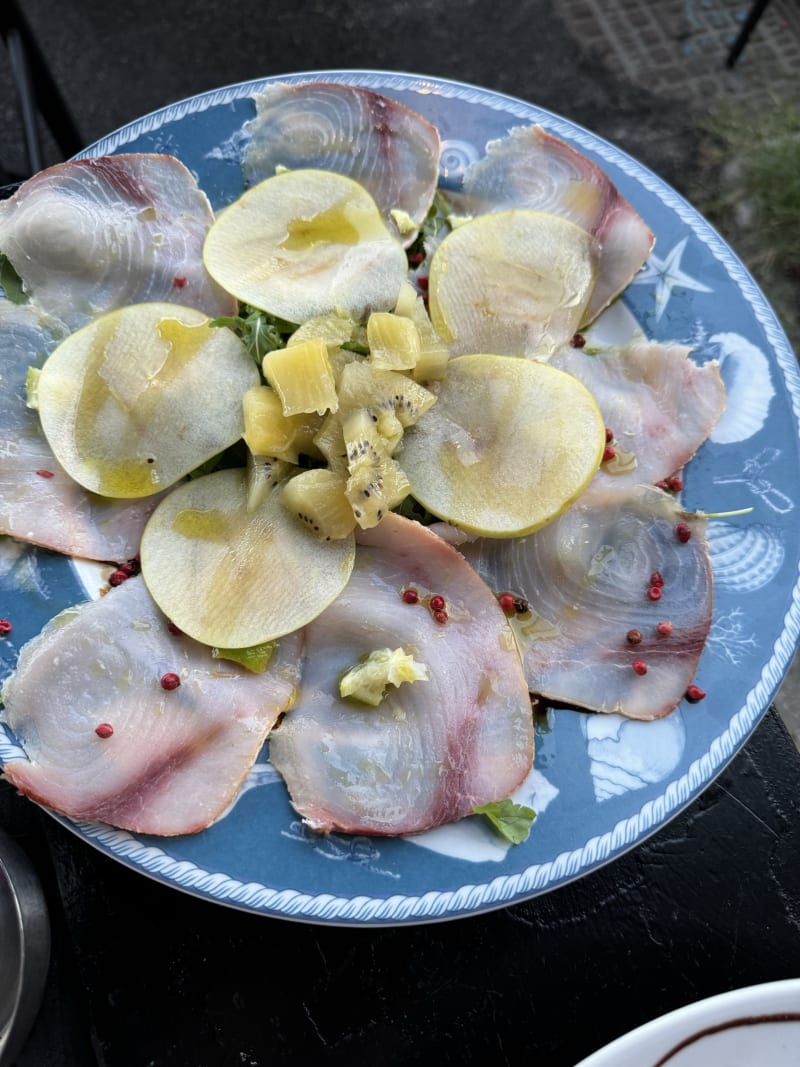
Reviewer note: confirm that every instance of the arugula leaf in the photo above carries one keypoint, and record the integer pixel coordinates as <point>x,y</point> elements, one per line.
<point>260,331</point>
<point>513,821</point>
<point>256,658</point>
<point>11,283</point>
<point>410,508</point>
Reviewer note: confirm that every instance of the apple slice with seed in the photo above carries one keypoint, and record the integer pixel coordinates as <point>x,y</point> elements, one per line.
<point>141,396</point>
<point>508,446</point>
<point>306,243</point>
<point>233,577</point>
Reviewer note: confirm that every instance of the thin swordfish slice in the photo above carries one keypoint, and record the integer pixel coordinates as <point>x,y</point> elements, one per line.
<point>176,758</point>
<point>92,235</point>
<point>432,750</point>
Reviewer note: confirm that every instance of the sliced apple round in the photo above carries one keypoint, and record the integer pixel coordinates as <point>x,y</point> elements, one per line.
<point>508,446</point>
<point>514,282</point>
<point>306,243</point>
<point>232,577</point>
<point>141,396</point>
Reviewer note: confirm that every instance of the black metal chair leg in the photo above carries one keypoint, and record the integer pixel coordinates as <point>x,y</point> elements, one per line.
<point>37,90</point>
<point>753,15</point>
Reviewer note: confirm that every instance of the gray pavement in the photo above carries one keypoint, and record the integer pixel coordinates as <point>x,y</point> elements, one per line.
<point>644,75</point>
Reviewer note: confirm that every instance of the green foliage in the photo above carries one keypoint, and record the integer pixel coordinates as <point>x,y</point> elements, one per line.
<point>513,821</point>
<point>755,202</point>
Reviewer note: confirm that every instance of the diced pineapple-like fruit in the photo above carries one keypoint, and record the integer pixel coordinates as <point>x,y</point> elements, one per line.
<point>394,342</point>
<point>335,330</point>
<point>434,354</point>
<point>267,431</point>
<point>317,498</point>
<point>303,377</point>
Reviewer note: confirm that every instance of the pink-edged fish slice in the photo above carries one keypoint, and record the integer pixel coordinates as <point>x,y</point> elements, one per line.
<point>587,578</point>
<point>92,235</point>
<point>659,405</point>
<point>432,750</point>
<point>174,758</point>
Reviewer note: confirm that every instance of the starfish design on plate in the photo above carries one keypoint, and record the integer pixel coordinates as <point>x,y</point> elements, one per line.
<point>665,274</point>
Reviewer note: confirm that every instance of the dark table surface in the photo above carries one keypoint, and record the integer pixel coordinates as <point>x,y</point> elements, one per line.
<point>143,974</point>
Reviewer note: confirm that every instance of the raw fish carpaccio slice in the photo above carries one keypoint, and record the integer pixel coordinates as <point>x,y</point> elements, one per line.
<point>390,149</point>
<point>92,235</point>
<point>658,403</point>
<point>529,168</point>
<point>586,577</point>
<point>176,758</point>
<point>432,750</point>
<point>39,502</point>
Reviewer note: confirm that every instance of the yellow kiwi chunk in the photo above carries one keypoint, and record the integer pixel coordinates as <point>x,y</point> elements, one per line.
<point>234,578</point>
<point>433,355</point>
<point>306,243</point>
<point>329,439</point>
<point>376,483</point>
<point>141,396</point>
<point>368,680</point>
<point>317,498</point>
<point>333,329</point>
<point>514,282</point>
<point>393,341</point>
<point>263,474</point>
<point>268,432</point>
<point>510,445</point>
<point>302,377</point>
<point>394,400</point>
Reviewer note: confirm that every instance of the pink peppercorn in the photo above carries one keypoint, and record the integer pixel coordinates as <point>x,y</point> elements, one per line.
<point>639,666</point>
<point>683,532</point>
<point>634,637</point>
<point>5,627</point>
<point>438,603</point>
<point>441,617</point>
<point>694,694</point>
<point>664,629</point>
<point>170,681</point>
<point>506,602</point>
<point>118,577</point>
<point>104,730</point>
<point>609,453</point>
<point>410,596</point>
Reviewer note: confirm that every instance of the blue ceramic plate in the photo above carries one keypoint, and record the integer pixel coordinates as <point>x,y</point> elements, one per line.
<point>600,784</point>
